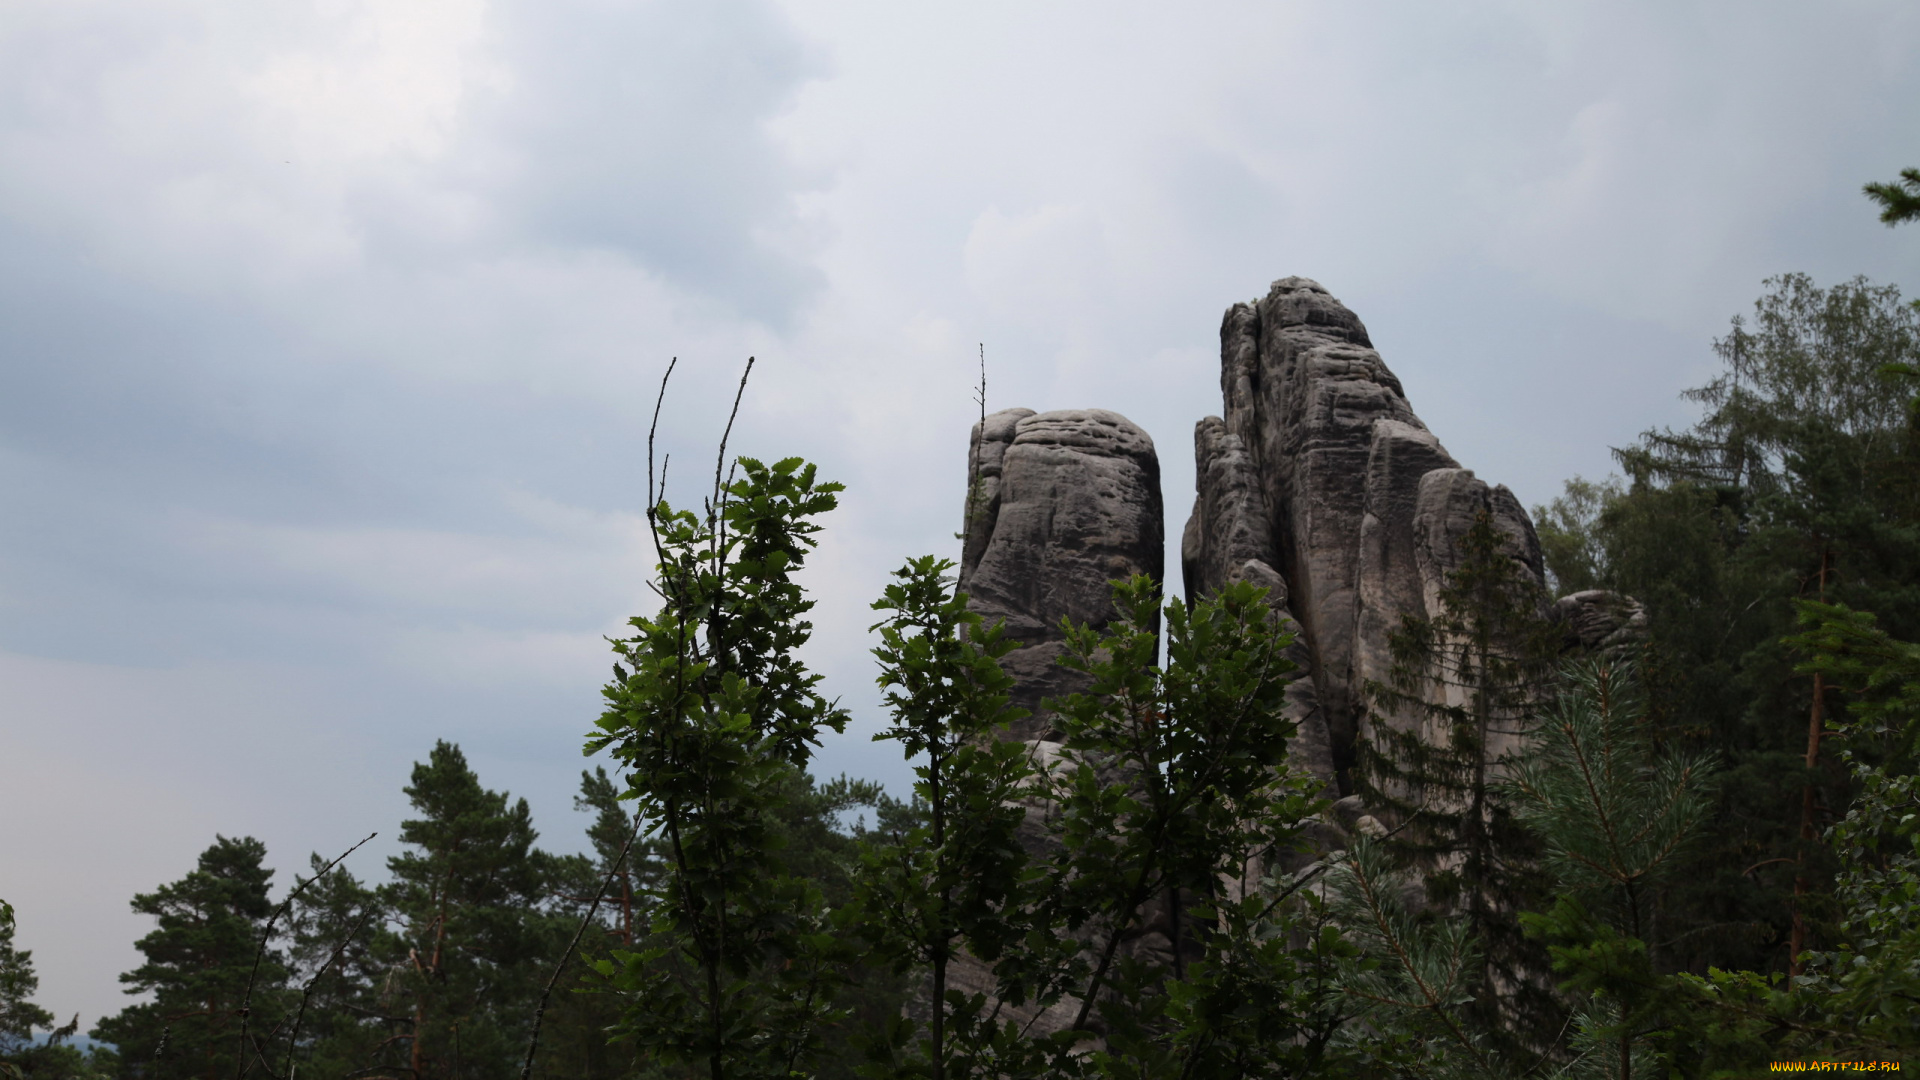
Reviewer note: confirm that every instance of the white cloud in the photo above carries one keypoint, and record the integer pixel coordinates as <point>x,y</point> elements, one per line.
<point>1044,270</point>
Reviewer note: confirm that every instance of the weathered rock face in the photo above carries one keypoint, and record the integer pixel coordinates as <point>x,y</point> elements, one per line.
<point>1600,623</point>
<point>1059,505</point>
<point>1322,484</point>
<point>1319,484</point>
<point>1230,539</point>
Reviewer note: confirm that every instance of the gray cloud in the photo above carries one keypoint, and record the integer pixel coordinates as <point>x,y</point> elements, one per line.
<point>641,128</point>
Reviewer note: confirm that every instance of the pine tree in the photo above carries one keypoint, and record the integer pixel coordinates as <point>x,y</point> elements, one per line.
<point>199,962</point>
<point>1414,979</point>
<point>18,982</point>
<point>1900,200</point>
<point>1473,675</point>
<point>334,936</point>
<point>1797,482</point>
<point>622,871</point>
<point>473,937</point>
<point>633,869</point>
<point>1615,818</point>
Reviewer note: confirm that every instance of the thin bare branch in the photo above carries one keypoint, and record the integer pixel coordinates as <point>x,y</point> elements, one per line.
<point>266,935</point>
<point>540,1012</point>
<point>306,992</point>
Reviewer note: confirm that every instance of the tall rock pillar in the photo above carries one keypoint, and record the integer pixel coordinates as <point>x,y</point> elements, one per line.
<point>1320,483</point>
<point>1059,504</point>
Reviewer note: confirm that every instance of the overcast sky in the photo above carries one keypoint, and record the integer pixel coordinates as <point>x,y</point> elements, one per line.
<point>329,328</point>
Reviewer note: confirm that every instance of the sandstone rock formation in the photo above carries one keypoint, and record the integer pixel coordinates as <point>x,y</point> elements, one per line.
<point>1321,484</point>
<point>1059,505</point>
<point>1600,622</point>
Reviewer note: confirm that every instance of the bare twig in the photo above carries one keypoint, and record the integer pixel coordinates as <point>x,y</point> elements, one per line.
<point>653,429</point>
<point>975,480</point>
<point>306,992</point>
<point>266,935</point>
<point>540,1012</point>
<point>721,459</point>
<point>716,510</point>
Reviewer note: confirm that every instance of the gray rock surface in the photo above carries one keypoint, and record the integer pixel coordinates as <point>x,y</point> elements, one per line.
<point>1060,504</point>
<point>1318,484</point>
<point>1230,539</point>
<point>1322,480</point>
<point>1599,622</point>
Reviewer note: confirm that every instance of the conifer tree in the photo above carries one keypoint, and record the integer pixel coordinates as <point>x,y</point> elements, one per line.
<point>472,932</point>
<point>199,960</point>
<point>1615,818</point>
<point>18,981</point>
<point>633,869</point>
<point>1797,482</point>
<point>1414,977</point>
<point>620,870</point>
<point>1472,675</point>
<point>1900,200</point>
<point>335,933</point>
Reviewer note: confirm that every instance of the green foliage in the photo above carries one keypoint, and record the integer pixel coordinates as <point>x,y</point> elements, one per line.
<point>1616,817</point>
<point>199,960</point>
<point>1813,360</point>
<point>1420,976</point>
<point>1869,983</point>
<point>1129,884</point>
<point>1462,690</point>
<point>1855,1001</point>
<point>955,876</point>
<point>20,1057</point>
<point>1900,200</point>
<point>18,1014</point>
<point>1169,784</point>
<point>1625,1006</point>
<point>1142,889</point>
<point>1570,544</point>
<point>335,932</point>
<point>713,716</point>
<point>622,875</point>
<point>471,938</point>
<point>1267,998</point>
<point>1800,478</point>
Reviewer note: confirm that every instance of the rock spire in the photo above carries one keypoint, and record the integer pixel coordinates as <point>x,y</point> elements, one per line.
<point>1059,504</point>
<point>1321,484</point>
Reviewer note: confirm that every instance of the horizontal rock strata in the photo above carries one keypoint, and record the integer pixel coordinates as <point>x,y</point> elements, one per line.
<point>1059,505</point>
<point>1321,483</point>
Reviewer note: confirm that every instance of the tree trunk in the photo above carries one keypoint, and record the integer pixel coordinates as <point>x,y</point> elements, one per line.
<point>1816,724</point>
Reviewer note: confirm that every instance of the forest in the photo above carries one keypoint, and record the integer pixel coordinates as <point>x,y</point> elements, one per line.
<point>1703,861</point>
